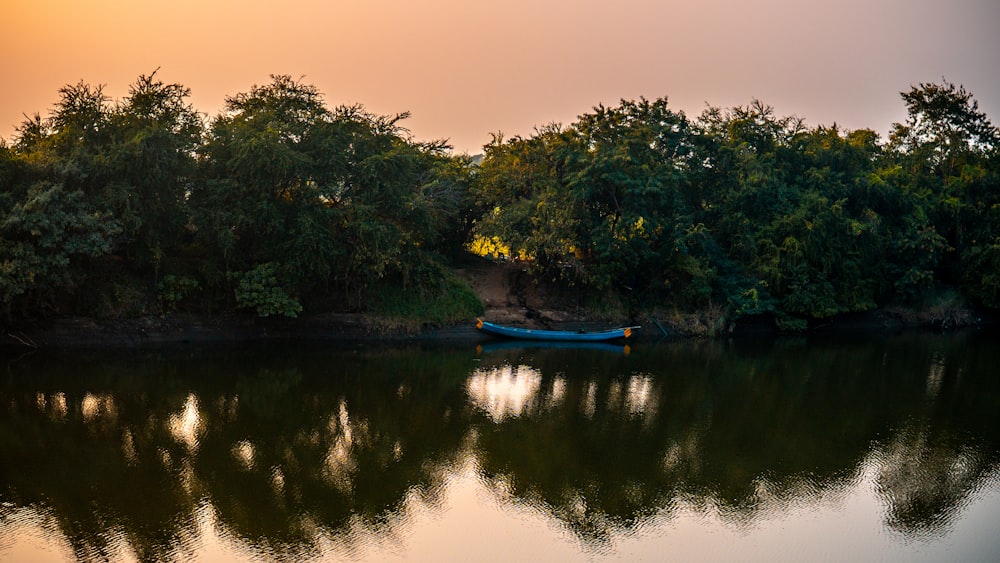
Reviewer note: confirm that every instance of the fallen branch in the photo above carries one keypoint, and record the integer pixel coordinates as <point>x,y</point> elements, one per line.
<point>24,340</point>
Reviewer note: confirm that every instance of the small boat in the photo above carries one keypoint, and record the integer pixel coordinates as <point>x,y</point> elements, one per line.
<point>554,335</point>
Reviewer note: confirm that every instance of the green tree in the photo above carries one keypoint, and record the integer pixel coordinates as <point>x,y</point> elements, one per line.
<point>66,146</point>
<point>522,186</point>
<point>150,160</point>
<point>601,204</point>
<point>739,187</point>
<point>44,243</point>
<point>260,196</point>
<point>980,258</point>
<point>794,210</point>
<point>945,154</point>
<point>633,185</point>
<point>130,161</point>
<point>323,199</point>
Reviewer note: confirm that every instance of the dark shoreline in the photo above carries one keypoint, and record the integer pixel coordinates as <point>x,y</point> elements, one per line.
<point>78,332</point>
<point>347,329</point>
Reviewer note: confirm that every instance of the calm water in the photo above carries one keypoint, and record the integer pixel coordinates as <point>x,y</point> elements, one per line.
<point>885,448</point>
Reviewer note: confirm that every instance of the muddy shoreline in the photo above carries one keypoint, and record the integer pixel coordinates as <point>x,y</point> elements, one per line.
<point>356,328</point>
<point>206,329</point>
<point>509,296</point>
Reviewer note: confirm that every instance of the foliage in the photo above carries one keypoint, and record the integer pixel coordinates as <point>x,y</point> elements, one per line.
<point>150,161</point>
<point>260,290</point>
<point>945,158</point>
<point>450,301</point>
<point>339,198</point>
<point>599,204</point>
<point>173,289</point>
<point>752,209</point>
<point>43,241</point>
<point>281,204</point>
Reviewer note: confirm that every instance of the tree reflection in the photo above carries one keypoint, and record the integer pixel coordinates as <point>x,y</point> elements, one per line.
<point>97,482</point>
<point>741,434</point>
<point>279,453</point>
<point>947,446</point>
<point>285,447</point>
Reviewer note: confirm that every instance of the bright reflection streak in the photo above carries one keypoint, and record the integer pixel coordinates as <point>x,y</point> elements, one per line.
<point>89,407</point>
<point>558,392</point>
<point>243,451</point>
<point>339,464</point>
<point>186,425</point>
<point>128,447</point>
<point>639,398</point>
<point>935,377</point>
<point>590,400</point>
<point>504,391</point>
<point>277,480</point>
<point>635,396</point>
<point>96,406</point>
<point>58,403</point>
<point>345,424</point>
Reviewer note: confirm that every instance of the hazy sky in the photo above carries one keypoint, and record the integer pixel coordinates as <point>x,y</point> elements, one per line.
<point>466,68</point>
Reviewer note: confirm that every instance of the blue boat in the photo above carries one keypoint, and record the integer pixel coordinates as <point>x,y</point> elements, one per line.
<point>554,335</point>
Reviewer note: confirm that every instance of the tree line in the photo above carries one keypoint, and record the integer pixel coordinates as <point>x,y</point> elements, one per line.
<point>281,204</point>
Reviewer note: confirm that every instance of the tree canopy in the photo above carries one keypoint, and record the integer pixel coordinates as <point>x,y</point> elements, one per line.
<point>281,204</point>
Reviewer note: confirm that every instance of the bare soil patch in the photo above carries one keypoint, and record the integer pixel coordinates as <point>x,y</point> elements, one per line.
<point>512,297</point>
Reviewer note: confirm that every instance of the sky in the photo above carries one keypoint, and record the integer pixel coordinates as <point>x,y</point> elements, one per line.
<point>466,69</point>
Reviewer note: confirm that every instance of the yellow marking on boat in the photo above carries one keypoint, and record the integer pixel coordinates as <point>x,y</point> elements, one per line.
<point>628,332</point>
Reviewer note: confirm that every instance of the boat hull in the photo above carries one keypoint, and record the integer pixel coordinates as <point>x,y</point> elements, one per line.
<point>553,335</point>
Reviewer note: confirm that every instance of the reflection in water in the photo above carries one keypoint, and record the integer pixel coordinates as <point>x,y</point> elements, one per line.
<point>98,406</point>
<point>243,452</point>
<point>408,454</point>
<point>639,397</point>
<point>935,377</point>
<point>505,391</point>
<point>187,424</point>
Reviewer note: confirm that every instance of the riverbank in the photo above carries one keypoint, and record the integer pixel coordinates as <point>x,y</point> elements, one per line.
<point>355,328</point>
<point>508,297</point>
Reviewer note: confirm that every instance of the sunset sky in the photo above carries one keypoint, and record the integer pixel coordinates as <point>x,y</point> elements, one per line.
<point>466,68</point>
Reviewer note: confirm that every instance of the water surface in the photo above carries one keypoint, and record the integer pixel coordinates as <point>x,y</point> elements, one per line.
<point>875,448</point>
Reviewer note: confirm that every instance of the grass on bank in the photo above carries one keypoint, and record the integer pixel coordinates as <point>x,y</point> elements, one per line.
<point>395,309</point>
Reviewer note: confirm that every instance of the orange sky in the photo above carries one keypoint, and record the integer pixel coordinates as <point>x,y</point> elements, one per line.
<point>466,68</point>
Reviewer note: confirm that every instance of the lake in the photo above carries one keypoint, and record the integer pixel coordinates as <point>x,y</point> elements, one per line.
<point>885,447</point>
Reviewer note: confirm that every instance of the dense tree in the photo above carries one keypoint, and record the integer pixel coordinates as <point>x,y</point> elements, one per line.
<point>754,210</point>
<point>634,181</point>
<point>945,157</point>
<point>259,168</point>
<point>297,200</point>
<point>66,146</point>
<point>127,163</point>
<point>741,187</point>
<point>522,186</point>
<point>42,239</point>
<point>50,213</point>
<point>150,157</point>
<point>281,204</point>
<point>600,204</point>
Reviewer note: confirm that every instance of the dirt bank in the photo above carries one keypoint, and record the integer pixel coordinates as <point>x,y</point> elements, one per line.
<point>491,283</point>
<point>511,298</point>
<point>506,291</point>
